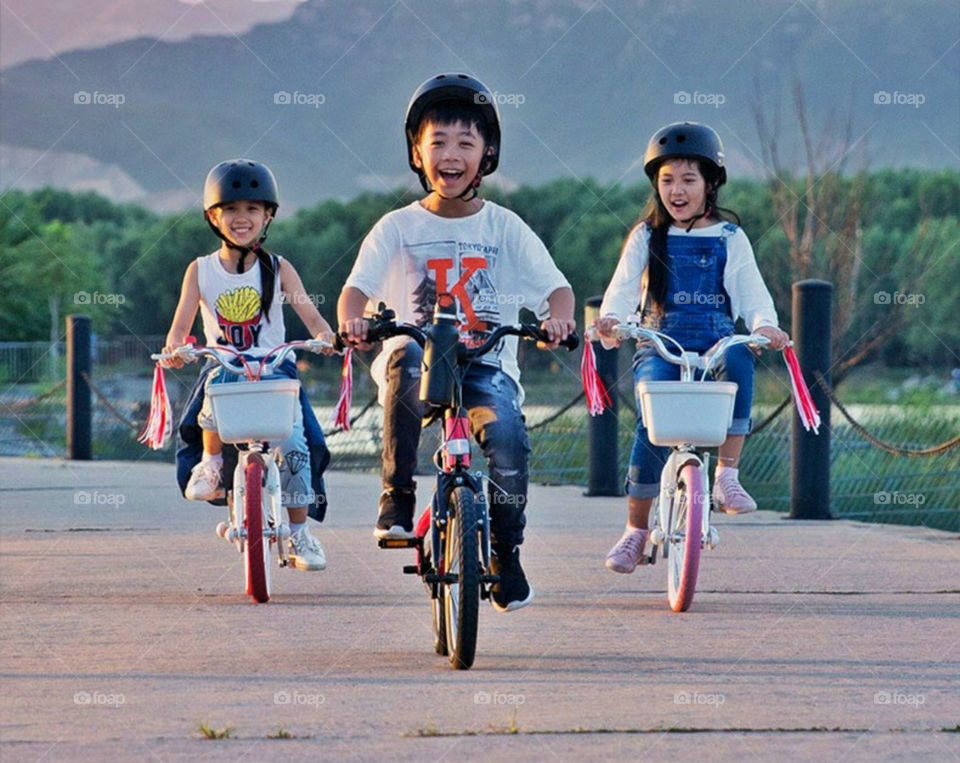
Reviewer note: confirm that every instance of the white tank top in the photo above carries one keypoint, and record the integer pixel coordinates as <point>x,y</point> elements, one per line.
<point>230,307</point>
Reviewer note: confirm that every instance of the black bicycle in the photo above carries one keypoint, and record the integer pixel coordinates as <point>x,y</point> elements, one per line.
<point>452,537</point>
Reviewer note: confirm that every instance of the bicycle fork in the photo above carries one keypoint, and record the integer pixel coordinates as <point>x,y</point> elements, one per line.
<point>275,530</point>
<point>677,459</point>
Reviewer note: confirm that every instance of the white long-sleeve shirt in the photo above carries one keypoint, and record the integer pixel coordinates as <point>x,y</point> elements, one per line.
<point>749,297</point>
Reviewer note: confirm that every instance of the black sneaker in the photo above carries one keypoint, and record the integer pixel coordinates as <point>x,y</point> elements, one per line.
<point>396,513</point>
<point>512,591</point>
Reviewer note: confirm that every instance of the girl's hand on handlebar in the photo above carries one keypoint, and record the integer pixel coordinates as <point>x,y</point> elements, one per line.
<point>557,329</point>
<point>605,327</point>
<point>329,337</point>
<point>174,362</point>
<point>778,338</point>
<point>354,331</point>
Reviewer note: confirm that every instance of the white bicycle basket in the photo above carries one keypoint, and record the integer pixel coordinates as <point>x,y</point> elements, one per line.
<point>686,413</point>
<point>254,410</point>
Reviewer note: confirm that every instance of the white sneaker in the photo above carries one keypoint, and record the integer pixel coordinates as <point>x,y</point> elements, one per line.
<point>306,553</point>
<point>204,484</point>
<point>730,496</point>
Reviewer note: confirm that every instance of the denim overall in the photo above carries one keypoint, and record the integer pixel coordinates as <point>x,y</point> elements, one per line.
<point>696,314</point>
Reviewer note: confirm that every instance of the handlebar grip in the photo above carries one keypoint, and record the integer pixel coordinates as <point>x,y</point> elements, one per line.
<point>571,342</point>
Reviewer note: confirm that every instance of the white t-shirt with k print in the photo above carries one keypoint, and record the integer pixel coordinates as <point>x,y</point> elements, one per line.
<point>490,262</point>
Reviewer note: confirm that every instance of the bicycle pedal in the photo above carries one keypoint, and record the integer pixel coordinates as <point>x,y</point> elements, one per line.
<point>411,569</point>
<point>398,542</point>
<point>490,578</point>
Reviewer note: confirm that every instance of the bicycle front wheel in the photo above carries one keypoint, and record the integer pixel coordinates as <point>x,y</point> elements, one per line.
<point>461,600</point>
<point>685,519</point>
<point>256,552</point>
<point>436,600</point>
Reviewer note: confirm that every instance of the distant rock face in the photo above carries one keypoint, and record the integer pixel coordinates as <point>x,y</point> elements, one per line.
<point>27,169</point>
<point>320,96</point>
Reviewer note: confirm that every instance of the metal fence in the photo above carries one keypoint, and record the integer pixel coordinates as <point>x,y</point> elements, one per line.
<point>866,482</point>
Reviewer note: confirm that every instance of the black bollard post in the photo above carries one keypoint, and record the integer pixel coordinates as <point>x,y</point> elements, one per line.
<point>809,452</point>
<point>79,411</point>
<point>604,467</point>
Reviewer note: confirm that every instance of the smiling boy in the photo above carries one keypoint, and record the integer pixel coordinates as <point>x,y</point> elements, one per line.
<point>453,242</point>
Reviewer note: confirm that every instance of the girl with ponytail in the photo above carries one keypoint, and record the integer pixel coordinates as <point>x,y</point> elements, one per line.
<point>240,290</point>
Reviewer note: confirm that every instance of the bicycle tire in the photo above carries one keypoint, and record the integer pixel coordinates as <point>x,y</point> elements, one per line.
<point>461,600</point>
<point>686,520</point>
<point>439,626</point>
<point>256,552</point>
<point>436,601</point>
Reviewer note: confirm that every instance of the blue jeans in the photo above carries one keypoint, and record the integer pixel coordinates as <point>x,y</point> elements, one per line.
<point>496,422</point>
<point>646,459</point>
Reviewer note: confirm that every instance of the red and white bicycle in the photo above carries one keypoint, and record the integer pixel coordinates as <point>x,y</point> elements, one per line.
<point>251,414</point>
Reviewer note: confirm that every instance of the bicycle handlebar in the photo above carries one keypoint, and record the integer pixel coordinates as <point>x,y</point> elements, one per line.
<point>190,354</point>
<point>688,361</point>
<point>383,326</point>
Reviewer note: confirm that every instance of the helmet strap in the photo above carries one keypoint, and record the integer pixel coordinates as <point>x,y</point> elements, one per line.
<point>244,250</point>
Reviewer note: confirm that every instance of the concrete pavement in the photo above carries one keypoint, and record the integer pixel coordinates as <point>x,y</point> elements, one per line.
<point>123,629</point>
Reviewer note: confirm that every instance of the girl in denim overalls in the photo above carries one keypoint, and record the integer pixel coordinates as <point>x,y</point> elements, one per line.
<point>692,275</point>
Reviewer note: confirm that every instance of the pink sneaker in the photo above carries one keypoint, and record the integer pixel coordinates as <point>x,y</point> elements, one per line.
<point>730,496</point>
<point>626,555</point>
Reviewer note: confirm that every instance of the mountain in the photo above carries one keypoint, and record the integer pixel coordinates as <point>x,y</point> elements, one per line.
<point>33,29</point>
<point>581,84</point>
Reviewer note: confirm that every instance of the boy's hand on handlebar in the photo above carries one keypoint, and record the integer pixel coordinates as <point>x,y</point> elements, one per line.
<point>605,327</point>
<point>778,338</point>
<point>354,331</point>
<point>557,329</point>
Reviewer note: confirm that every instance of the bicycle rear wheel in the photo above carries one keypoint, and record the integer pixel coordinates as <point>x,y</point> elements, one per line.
<point>461,600</point>
<point>685,519</point>
<point>256,552</point>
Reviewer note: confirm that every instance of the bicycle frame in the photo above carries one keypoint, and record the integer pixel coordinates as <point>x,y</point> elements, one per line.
<point>454,518</point>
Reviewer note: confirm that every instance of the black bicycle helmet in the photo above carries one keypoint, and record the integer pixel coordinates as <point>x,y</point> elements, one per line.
<point>240,180</point>
<point>686,140</point>
<point>455,87</point>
